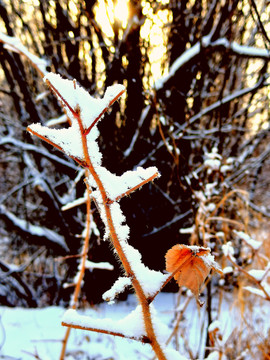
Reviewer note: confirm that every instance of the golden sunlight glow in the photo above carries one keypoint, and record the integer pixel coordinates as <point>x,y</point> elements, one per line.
<point>121,12</point>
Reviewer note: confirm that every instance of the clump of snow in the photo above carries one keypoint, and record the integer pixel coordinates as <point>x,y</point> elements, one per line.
<point>103,265</point>
<point>212,160</point>
<point>210,189</point>
<point>188,230</point>
<point>76,99</point>
<point>68,140</point>
<point>215,325</point>
<point>150,280</point>
<point>117,288</point>
<point>248,240</point>
<point>132,326</point>
<point>257,274</point>
<point>118,218</point>
<point>116,186</point>
<point>211,207</point>
<point>196,249</point>
<point>227,270</point>
<point>209,260</point>
<point>228,249</point>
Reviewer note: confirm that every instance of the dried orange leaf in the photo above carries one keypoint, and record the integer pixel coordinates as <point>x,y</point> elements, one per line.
<point>190,265</point>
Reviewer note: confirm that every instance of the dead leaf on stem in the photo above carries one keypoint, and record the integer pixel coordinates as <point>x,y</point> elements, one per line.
<point>190,266</point>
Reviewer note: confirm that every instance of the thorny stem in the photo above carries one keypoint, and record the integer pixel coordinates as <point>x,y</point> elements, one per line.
<point>136,284</point>
<point>82,269</point>
<point>122,256</point>
<point>147,317</point>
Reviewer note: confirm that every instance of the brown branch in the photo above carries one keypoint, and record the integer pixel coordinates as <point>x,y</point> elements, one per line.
<point>142,339</point>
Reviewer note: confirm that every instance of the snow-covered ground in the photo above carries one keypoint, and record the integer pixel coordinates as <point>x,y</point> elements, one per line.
<point>37,333</point>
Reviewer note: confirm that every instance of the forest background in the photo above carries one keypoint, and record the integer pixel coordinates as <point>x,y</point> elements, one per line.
<point>196,106</point>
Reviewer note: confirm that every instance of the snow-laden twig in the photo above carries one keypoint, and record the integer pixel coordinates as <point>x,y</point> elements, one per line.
<point>79,142</point>
<point>191,53</point>
<point>14,44</point>
<point>34,230</point>
<point>29,147</point>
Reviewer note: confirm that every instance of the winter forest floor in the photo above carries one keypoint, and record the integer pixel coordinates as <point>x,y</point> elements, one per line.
<point>37,333</point>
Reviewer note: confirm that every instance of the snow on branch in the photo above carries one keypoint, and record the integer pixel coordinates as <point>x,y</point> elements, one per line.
<point>30,147</point>
<point>129,327</point>
<point>79,141</point>
<point>118,287</point>
<point>206,42</point>
<point>34,230</point>
<point>177,64</point>
<point>242,50</point>
<point>14,44</point>
<point>254,244</point>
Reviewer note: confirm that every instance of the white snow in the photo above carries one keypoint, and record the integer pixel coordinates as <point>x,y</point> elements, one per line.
<point>117,288</point>
<point>69,140</point>
<point>39,331</point>
<point>257,274</point>
<point>76,99</point>
<point>131,326</point>
<point>215,325</point>
<point>227,270</point>
<point>74,203</point>
<point>56,121</point>
<point>14,44</point>
<point>177,64</point>
<point>188,230</point>
<point>251,242</point>
<point>150,280</point>
<point>103,265</point>
<point>228,249</point>
<point>34,230</point>
<point>116,186</point>
<point>255,291</point>
<point>206,42</point>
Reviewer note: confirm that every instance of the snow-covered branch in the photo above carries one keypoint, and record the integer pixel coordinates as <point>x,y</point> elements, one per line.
<point>191,53</point>
<point>14,44</point>
<point>34,230</point>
